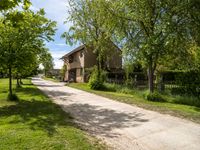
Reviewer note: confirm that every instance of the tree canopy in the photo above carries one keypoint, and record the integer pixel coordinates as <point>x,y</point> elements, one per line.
<point>8,4</point>
<point>88,29</point>
<point>152,32</point>
<point>22,37</point>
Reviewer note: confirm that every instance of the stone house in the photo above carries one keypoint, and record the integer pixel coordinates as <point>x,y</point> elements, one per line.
<point>82,57</point>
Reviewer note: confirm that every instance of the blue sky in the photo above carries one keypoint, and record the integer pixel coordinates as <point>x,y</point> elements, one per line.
<point>56,10</point>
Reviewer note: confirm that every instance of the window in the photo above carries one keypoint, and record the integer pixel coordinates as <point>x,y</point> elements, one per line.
<point>71,59</point>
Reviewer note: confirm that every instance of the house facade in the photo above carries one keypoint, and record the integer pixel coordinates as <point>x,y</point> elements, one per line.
<point>81,58</point>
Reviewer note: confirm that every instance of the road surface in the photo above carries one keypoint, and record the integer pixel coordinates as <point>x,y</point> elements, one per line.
<point>122,126</point>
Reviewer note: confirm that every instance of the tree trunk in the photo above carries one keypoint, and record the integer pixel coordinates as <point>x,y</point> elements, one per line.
<point>10,81</point>
<point>98,70</point>
<point>18,82</point>
<point>98,65</point>
<point>150,75</point>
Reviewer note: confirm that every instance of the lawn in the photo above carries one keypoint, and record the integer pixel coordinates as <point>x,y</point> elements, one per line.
<point>137,98</point>
<point>36,123</point>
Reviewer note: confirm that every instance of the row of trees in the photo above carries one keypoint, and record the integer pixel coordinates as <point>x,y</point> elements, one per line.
<point>157,34</point>
<point>22,40</point>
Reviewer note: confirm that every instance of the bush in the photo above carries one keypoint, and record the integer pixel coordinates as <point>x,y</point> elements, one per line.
<point>189,83</point>
<point>170,75</point>
<point>12,97</point>
<point>96,84</point>
<point>95,81</point>
<point>111,87</point>
<point>155,96</point>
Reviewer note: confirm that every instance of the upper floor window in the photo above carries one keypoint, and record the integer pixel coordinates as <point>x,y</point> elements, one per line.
<point>71,59</point>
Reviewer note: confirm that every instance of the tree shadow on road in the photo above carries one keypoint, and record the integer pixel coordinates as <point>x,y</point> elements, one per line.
<point>43,85</point>
<point>99,121</point>
<point>56,93</point>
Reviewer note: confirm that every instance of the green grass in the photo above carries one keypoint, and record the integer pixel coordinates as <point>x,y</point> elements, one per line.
<point>136,97</point>
<point>36,123</point>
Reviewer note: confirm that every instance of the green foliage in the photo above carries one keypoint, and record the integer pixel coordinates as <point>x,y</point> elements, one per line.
<point>97,79</point>
<point>88,29</point>
<point>189,83</point>
<point>155,96</point>
<point>23,33</point>
<point>63,71</point>
<point>186,82</point>
<point>152,32</point>
<point>126,89</point>
<point>170,75</point>
<point>12,97</point>
<point>9,4</point>
<point>47,61</point>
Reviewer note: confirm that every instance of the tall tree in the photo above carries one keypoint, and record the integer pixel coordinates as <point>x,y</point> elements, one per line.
<point>88,29</point>
<point>21,32</point>
<point>150,29</point>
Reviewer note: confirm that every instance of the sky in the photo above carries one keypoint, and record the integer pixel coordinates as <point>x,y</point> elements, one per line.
<point>56,10</point>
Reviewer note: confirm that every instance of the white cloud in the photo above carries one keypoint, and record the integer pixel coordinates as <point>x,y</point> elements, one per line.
<point>58,64</point>
<point>56,56</point>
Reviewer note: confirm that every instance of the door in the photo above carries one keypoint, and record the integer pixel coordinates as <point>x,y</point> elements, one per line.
<point>72,75</point>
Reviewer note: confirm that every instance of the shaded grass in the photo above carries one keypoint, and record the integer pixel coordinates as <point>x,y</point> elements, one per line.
<point>36,123</point>
<point>136,97</point>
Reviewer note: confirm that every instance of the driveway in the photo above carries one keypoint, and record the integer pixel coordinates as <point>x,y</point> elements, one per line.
<point>122,126</point>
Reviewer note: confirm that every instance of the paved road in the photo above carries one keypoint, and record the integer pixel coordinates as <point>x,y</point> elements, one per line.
<point>122,126</point>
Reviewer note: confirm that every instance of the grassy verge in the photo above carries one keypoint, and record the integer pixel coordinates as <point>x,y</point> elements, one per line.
<point>137,98</point>
<point>36,123</point>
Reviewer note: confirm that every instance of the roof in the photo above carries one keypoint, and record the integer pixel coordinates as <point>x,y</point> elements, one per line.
<point>81,48</point>
<point>74,50</point>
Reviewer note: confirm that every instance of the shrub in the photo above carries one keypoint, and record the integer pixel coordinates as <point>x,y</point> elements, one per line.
<point>155,96</point>
<point>12,97</point>
<point>111,87</point>
<point>189,82</point>
<point>126,90</point>
<point>129,82</point>
<point>96,81</point>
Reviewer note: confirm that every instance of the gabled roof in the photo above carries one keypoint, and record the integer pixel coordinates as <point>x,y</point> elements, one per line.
<point>74,51</point>
<point>81,48</point>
